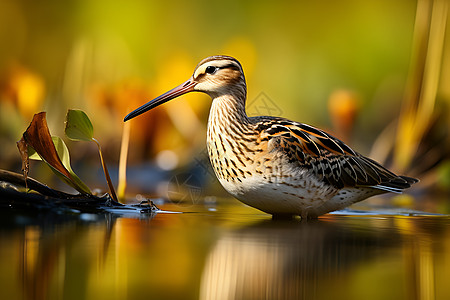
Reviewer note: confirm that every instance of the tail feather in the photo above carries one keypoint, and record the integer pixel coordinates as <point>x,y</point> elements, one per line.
<point>396,184</point>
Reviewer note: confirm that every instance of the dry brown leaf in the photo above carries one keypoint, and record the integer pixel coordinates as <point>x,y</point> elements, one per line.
<point>23,150</point>
<point>38,137</point>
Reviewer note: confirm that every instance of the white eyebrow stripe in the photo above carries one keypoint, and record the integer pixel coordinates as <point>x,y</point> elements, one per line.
<point>221,64</point>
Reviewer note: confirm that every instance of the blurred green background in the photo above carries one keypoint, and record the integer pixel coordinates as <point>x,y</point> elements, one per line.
<point>350,67</point>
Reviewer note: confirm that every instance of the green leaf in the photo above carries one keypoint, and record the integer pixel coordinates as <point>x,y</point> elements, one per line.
<point>32,154</point>
<point>63,153</point>
<point>78,126</point>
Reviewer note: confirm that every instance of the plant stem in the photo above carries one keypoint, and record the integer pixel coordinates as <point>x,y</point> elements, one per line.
<point>123,160</point>
<point>418,107</point>
<point>105,170</point>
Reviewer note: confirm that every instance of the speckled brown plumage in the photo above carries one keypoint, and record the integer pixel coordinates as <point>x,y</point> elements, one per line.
<point>274,164</point>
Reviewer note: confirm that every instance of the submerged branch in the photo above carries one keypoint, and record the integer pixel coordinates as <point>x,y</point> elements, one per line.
<point>45,197</point>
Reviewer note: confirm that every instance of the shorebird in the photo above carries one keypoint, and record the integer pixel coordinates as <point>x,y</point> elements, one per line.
<point>273,164</point>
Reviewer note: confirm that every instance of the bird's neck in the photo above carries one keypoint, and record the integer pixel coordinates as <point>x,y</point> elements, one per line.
<point>228,110</point>
<point>228,128</point>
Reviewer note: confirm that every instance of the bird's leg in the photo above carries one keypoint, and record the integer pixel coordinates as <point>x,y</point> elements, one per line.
<point>285,217</point>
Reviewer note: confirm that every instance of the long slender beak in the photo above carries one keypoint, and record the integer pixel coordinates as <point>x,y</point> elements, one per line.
<point>182,89</point>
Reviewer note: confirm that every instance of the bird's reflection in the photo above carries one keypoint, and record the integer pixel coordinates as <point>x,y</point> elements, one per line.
<point>288,259</point>
<point>60,255</point>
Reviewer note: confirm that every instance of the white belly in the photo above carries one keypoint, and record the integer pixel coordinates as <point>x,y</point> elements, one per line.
<point>307,198</point>
<point>275,196</point>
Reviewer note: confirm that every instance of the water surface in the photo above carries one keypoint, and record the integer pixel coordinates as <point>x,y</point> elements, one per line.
<point>223,251</point>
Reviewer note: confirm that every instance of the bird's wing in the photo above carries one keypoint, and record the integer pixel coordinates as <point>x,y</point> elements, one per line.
<point>330,158</point>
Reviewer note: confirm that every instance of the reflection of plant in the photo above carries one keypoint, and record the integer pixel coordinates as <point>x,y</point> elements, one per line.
<point>37,143</point>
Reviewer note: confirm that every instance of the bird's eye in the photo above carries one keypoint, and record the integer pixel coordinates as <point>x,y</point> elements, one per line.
<point>210,70</point>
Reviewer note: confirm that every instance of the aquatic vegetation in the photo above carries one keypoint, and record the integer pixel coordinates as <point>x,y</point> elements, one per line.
<point>37,143</point>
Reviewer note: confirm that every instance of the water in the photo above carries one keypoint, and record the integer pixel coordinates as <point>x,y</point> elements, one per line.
<point>223,251</point>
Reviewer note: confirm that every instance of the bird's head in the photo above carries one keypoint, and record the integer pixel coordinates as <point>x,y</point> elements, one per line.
<point>214,75</point>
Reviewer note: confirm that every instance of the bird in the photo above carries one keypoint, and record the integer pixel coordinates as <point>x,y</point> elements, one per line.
<point>281,167</point>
